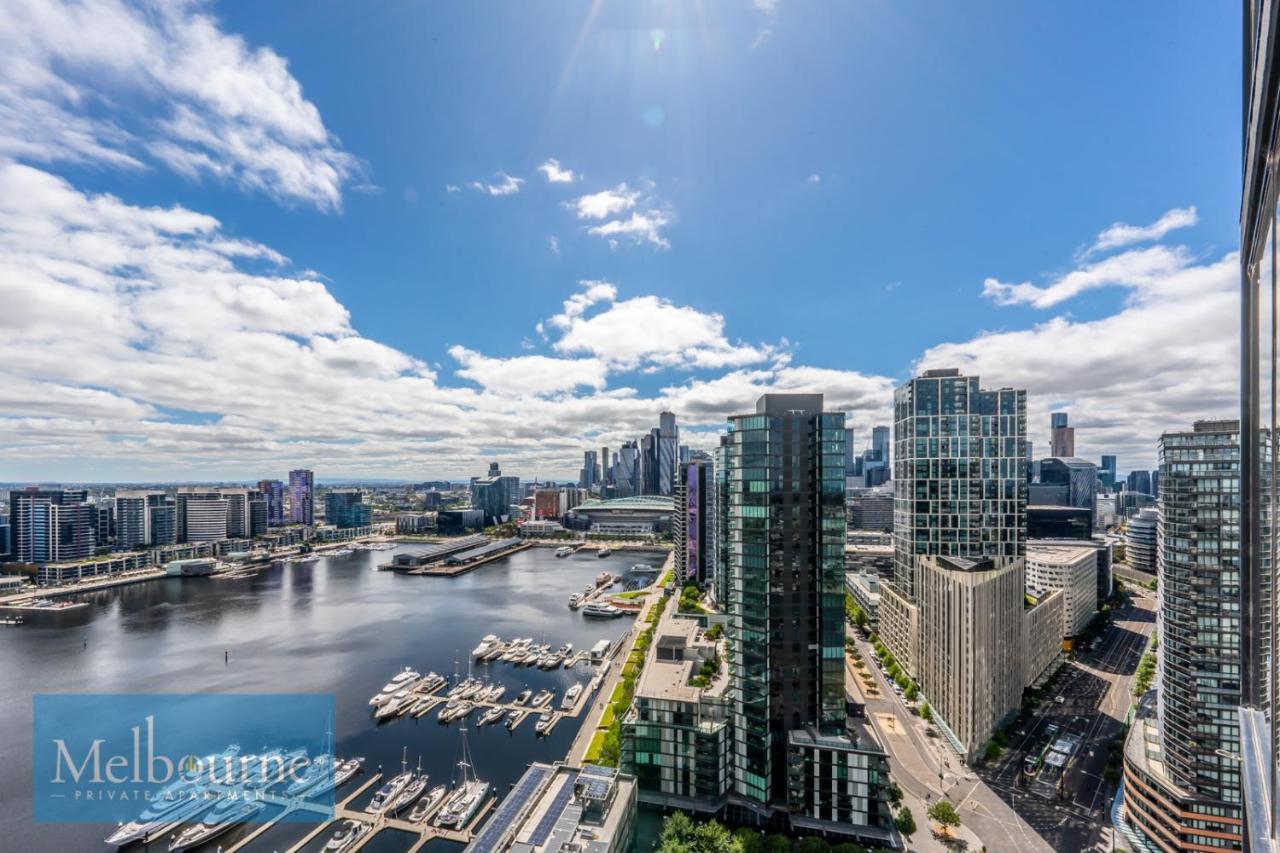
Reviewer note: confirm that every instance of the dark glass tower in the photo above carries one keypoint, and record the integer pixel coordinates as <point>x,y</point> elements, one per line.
<point>785,535</point>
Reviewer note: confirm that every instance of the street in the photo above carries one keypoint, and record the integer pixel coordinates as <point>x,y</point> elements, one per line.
<point>1006,808</point>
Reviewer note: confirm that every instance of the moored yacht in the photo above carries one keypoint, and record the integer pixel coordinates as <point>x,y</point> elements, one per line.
<point>544,697</point>
<point>523,696</point>
<point>346,837</point>
<point>486,645</point>
<point>427,806</point>
<point>604,552</point>
<point>601,611</point>
<point>458,810</point>
<point>177,803</point>
<point>391,789</point>
<point>228,813</point>
<point>564,551</point>
<point>491,715</point>
<point>571,697</point>
<point>546,721</point>
<point>411,791</point>
<point>575,601</point>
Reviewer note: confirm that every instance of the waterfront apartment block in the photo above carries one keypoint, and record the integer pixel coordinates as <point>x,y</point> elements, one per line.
<point>51,525</point>
<point>786,583</point>
<point>676,738</point>
<point>345,508</point>
<point>202,514</point>
<point>145,519</point>
<point>693,522</point>
<point>273,494</point>
<point>1186,751</point>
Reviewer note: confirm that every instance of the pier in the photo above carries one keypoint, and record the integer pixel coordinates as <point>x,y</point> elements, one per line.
<point>342,811</point>
<point>460,564</point>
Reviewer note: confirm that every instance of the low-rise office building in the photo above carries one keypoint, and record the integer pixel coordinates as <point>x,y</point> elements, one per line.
<point>865,589</point>
<point>1072,569</point>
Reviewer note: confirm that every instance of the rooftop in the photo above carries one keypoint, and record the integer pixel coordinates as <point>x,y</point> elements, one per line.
<point>1062,554</point>
<point>655,503</point>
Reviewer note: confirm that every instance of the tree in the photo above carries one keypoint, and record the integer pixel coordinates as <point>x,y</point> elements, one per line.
<point>926,713</point>
<point>814,844</point>
<point>777,844</point>
<point>611,752</point>
<point>749,840</point>
<point>895,793</point>
<point>906,823</point>
<point>712,837</point>
<point>848,847</point>
<point>677,829</point>
<point>944,813</point>
<point>912,693</point>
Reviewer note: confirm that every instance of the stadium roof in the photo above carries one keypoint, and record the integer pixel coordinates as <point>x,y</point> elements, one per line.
<point>652,503</point>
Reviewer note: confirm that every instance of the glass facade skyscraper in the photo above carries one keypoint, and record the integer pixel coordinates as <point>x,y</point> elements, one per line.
<point>785,539</point>
<point>1259,416</point>
<point>959,462</point>
<point>302,496</point>
<point>1183,756</point>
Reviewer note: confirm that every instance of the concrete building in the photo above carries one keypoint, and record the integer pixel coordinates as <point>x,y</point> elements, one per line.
<point>1042,624</point>
<point>1187,755</point>
<point>970,663</point>
<point>865,589</point>
<point>869,559</point>
<point>1140,540</point>
<point>546,505</point>
<point>870,509</point>
<point>494,494</point>
<point>246,512</point>
<point>202,514</point>
<point>1072,569</point>
<point>677,738</point>
<point>960,486</point>
<point>415,522</point>
<point>302,497</point>
<point>589,474</point>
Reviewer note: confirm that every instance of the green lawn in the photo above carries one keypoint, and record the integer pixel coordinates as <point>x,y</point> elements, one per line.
<point>593,749</point>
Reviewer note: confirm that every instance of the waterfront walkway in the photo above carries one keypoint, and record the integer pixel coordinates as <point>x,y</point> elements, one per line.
<point>581,743</point>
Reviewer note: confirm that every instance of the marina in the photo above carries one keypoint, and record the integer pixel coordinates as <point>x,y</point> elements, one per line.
<point>356,628</point>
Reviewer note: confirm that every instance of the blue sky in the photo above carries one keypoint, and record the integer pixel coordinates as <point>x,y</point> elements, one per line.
<point>807,196</point>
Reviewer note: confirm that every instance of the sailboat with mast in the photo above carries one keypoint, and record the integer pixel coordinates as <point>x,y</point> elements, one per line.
<point>461,806</point>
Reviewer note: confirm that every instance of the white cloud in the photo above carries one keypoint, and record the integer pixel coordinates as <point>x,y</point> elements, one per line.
<point>1168,357</point>
<point>1121,234</point>
<point>814,178</point>
<point>555,174</point>
<point>506,185</point>
<point>640,227</point>
<point>605,203</point>
<point>647,331</point>
<point>529,375</point>
<point>147,342</point>
<point>199,100</point>
<point>1136,268</point>
<point>553,243</point>
<point>452,188</point>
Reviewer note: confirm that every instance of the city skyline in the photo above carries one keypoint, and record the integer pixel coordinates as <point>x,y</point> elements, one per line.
<point>212,316</point>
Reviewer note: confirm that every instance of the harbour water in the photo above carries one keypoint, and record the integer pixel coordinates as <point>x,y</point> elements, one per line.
<point>334,626</point>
